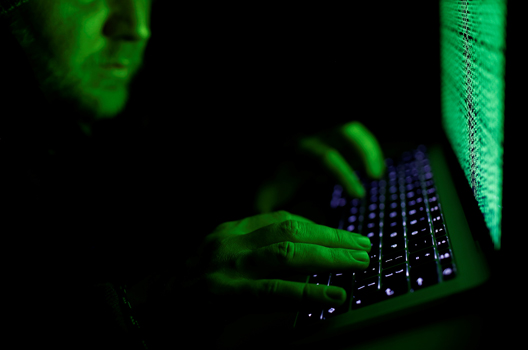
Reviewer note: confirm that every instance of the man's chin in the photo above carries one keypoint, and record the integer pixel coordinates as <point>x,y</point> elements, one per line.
<point>109,102</point>
<point>107,106</point>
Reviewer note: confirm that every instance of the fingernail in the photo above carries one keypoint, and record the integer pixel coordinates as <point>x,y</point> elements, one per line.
<point>335,293</point>
<point>364,242</point>
<point>361,255</point>
<point>359,191</point>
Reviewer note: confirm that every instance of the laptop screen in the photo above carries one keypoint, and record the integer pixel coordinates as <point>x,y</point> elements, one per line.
<point>472,59</point>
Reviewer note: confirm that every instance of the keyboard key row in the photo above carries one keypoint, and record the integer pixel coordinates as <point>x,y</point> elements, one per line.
<point>393,282</point>
<point>404,201</point>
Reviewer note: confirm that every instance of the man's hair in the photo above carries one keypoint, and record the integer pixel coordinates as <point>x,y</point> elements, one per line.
<point>7,6</point>
<point>10,14</point>
<point>15,23</point>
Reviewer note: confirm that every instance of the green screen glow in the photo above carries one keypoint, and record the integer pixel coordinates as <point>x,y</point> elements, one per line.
<point>472,46</point>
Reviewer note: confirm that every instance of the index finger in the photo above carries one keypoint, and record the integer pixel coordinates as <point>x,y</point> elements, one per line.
<point>255,222</point>
<point>305,232</point>
<point>367,146</point>
<point>334,163</point>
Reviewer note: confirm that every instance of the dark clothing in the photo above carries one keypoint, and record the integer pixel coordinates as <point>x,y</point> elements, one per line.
<point>83,214</point>
<point>115,208</point>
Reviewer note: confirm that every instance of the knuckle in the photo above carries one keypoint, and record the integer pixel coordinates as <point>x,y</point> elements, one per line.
<point>285,251</point>
<point>271,287</point>
<point>339,237</point>
<point>334,255</point>
<point>290,228</point>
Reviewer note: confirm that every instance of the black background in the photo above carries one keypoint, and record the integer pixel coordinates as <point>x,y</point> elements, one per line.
<point>288,66</point>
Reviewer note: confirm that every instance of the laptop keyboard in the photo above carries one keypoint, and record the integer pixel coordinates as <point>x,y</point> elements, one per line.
<point>403,218</point>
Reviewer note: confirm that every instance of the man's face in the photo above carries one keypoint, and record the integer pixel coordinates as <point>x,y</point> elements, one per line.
<point>69,42</point>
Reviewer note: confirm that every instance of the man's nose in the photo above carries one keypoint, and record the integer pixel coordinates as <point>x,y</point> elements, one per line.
<point>130,20</point>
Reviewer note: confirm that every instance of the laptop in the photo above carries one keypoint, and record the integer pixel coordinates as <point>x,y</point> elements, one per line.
<point>435,220</point>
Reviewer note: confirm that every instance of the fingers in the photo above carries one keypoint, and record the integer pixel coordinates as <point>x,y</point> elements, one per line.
<point>343,173</point>
<point>243,295</point>
<point>293,246</point>
<point>305,258</point>
<point>290,229</point>
<point>336,164</point>
<point>258,221</point>
<point>280,295</point>
<point>366,144</point>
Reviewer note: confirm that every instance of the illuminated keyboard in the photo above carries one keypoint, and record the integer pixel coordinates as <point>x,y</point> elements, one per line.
<point>403,218</point>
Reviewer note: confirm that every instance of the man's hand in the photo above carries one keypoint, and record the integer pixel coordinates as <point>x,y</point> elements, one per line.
<point>329,156</point>
<point>243,266</point>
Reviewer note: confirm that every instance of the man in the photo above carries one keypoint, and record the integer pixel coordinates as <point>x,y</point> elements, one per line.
<point>87,67</point>
<point>84,55</point>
